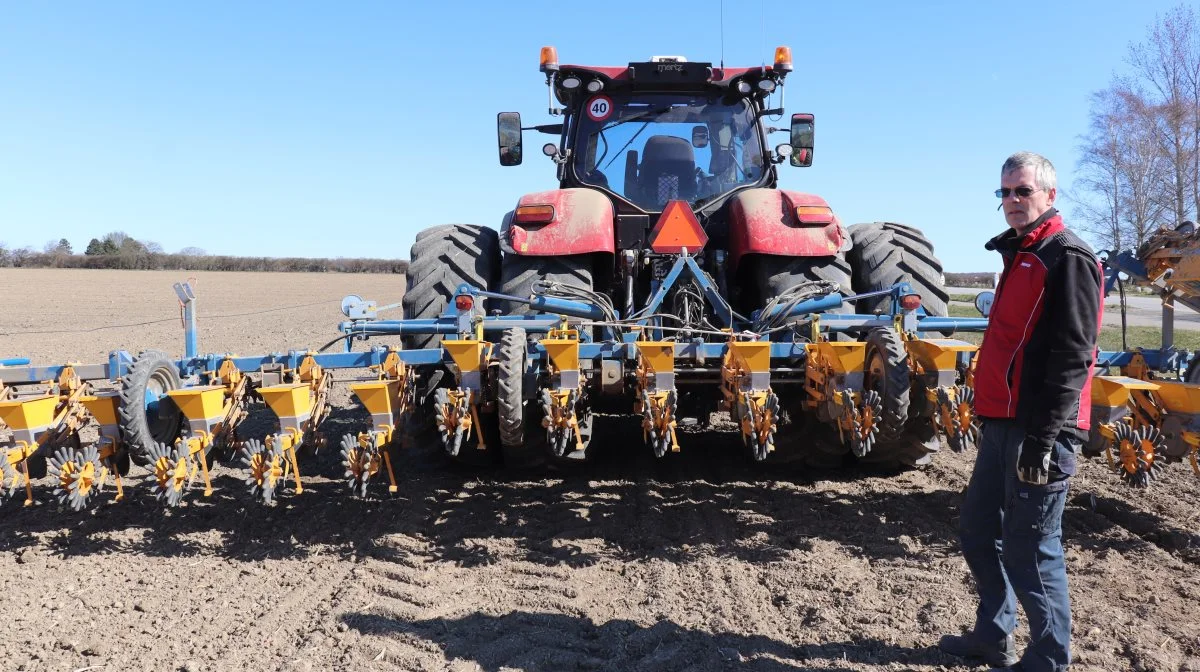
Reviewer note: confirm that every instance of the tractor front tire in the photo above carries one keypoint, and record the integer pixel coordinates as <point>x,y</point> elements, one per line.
<point>442,258</point>
<point>885,253</point>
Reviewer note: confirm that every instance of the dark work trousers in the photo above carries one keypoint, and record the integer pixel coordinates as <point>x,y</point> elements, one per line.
<point>1011,536</point>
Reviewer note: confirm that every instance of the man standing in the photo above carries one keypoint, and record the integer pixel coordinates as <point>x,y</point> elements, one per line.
<point>1032,391</point>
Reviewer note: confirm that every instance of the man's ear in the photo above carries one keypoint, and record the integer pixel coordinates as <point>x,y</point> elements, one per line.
<point>1053,195</point>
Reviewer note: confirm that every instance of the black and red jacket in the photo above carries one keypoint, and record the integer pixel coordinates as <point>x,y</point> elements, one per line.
<point>1036,362</point>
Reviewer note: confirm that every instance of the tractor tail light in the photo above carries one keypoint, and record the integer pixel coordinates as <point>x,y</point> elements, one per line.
<point>910,301</point>
<point>464,302</point>
<point>548,62</point>
<point>783,59</point>
<point>533,214</point>
<point>814,214</point>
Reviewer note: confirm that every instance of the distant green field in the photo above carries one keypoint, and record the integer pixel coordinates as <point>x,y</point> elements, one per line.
<point>963,311</point>
<point>1110,337</point>
<point>966,298</point>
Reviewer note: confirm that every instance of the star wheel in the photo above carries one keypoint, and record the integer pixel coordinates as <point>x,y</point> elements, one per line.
<point>557,417</point>
<point>76,475</point>
<point>11,478</point>
<point>1138,454</point>
<point>866,423</point>
<point>265,462</point>
<point>657,427</point>
<point>964,418</point>
<point>171,476</point>
<point>765,427</point>
<point>358,463</point>
<point>452,414</point>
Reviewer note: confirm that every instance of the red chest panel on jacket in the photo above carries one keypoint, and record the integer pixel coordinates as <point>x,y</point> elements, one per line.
<point>1015,312</point>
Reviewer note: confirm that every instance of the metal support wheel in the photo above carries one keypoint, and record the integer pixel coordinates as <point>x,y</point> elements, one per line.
<point>267,468</point>
<point>172,477</point>
<point>1136,454</point>
<point>77,475</point>
<point>360,464</point>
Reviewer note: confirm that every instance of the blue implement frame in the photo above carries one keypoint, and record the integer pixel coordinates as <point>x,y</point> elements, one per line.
<point>465,319</point>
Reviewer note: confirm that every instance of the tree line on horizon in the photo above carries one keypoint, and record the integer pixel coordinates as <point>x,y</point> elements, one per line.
<point>118,250</point>
<point>1139,161</point>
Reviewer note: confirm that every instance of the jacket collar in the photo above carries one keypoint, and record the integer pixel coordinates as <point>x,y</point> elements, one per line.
<point>1043,227</point>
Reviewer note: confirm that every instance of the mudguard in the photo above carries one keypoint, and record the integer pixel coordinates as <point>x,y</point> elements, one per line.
<point>582,224</point>
<point>789,223</point>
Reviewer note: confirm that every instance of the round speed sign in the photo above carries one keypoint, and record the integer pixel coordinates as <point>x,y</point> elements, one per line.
<point>599,108</point>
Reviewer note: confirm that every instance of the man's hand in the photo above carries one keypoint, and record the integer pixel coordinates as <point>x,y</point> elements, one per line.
<point>1033,465</point>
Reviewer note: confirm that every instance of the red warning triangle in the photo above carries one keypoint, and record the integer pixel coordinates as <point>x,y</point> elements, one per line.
<point>676,229</point>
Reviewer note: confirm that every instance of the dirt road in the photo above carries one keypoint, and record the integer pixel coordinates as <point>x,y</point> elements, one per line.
<point>700,562</point>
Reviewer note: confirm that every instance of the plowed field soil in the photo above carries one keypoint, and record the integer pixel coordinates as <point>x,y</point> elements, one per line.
<point>697,562</point>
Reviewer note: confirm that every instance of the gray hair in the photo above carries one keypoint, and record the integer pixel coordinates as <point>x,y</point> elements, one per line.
<point>1043,170</point>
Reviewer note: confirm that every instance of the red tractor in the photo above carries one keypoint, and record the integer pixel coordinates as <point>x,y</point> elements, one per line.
<point>655,159</point>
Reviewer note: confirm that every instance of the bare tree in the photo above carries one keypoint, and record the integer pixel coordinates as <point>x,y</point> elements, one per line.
<point>1121,170</point>
<point>1164,62</point>
<point>1099,173</point>
<point>117,238</point>
<point>1189,50</point>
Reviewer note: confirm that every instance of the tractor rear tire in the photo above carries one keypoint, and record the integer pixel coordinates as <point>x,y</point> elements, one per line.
<point>885,253</point>
<point>147,423</point>
<point>889,372</point>
<point>518,273</point>
<point>442,258</point>
<point>773,275</point>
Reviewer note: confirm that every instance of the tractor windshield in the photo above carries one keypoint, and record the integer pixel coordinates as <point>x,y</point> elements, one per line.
<point>655,148</point>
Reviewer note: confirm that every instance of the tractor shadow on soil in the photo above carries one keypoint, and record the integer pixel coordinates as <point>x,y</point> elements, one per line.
<point>624,505</point>
<point>528,640</point>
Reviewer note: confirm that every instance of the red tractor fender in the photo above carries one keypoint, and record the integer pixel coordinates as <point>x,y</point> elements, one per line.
<point>788,223</point>
<point>580,221</point>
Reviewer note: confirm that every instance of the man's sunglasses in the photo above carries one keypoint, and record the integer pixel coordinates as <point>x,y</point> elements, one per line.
<point>1023,192</point>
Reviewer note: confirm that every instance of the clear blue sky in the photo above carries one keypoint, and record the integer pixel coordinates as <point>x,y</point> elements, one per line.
<point>341,129</point>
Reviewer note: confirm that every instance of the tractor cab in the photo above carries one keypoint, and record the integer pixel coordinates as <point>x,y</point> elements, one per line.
<point>660,131</point>
<point>653,148</point>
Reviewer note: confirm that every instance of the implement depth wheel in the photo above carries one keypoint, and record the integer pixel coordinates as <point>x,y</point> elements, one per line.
<point>520,446</point>
<point>148,416</point>
<point>890,374</point>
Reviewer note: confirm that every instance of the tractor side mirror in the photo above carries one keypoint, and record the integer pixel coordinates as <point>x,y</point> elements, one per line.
<point>508,130</point>
<point>699,137</point>
<point>983,303</point>
<point>802,140</point>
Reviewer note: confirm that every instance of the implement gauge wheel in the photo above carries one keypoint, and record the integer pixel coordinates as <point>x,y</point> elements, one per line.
<point>517,444</point>
<point>147,416</point>
<point>890,374</point>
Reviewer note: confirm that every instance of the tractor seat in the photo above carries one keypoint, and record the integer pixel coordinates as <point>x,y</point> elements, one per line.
<point>667,172</point>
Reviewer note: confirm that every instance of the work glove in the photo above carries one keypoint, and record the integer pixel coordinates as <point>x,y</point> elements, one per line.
<point>1033,464</point>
